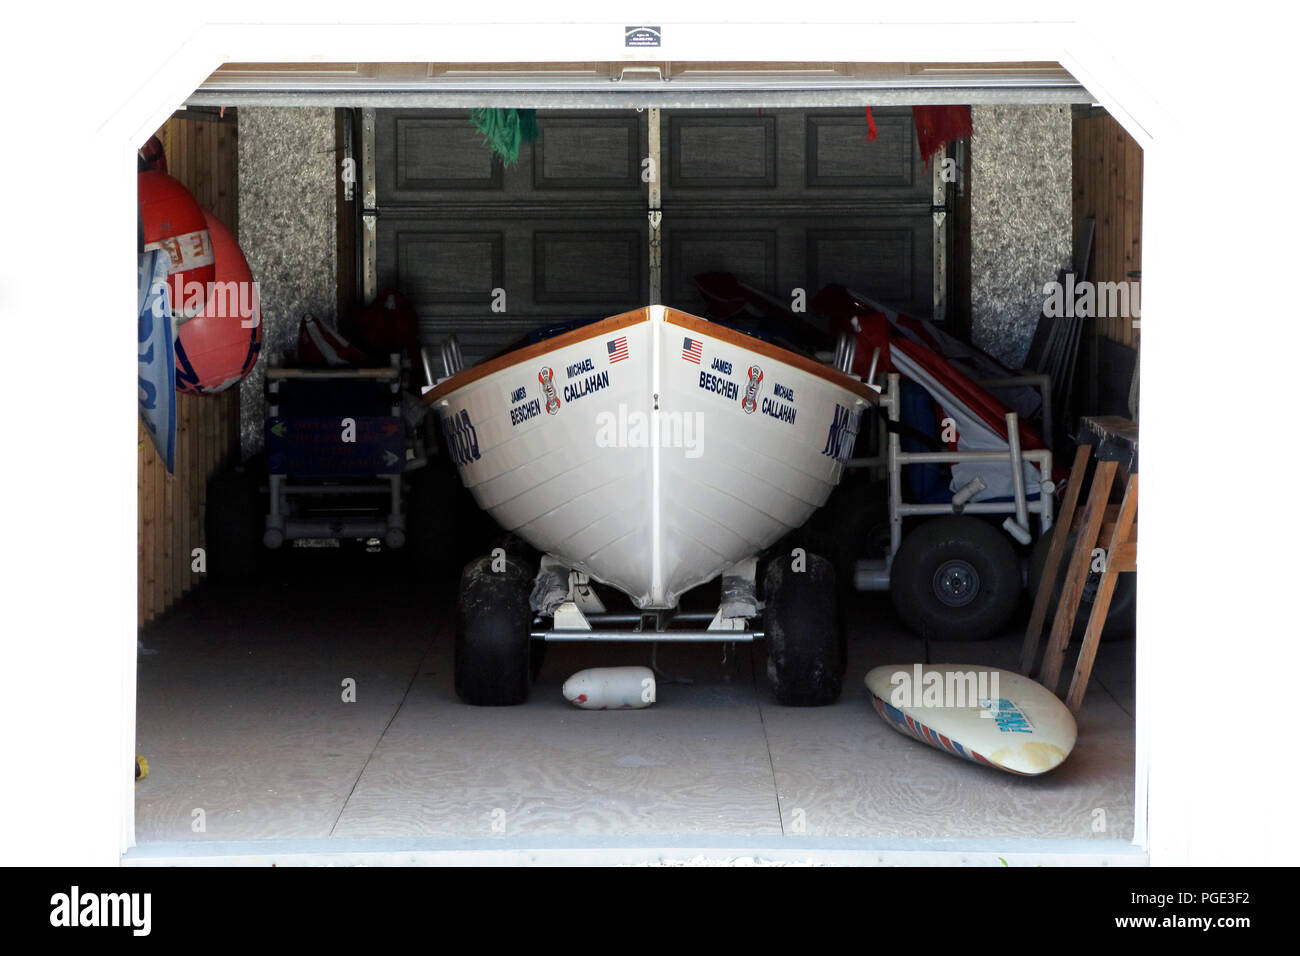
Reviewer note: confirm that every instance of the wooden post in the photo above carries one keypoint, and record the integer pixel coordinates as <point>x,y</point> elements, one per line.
<point>1060,532</point>
<point>1077,576</point>
<point>1118,560</point>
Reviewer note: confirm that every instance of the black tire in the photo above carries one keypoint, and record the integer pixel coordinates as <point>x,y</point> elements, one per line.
<point>841,529</point>
<point>233,524</point>
<point>1121,618</point>
<point>803,632</point>
<point>493,641</point>
<point>956,579</point>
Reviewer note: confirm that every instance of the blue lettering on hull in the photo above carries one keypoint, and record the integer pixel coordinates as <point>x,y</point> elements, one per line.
<point>718,385</point>
<point>779,410</point>
<point>577,368</point>
<point>842,434</point>
<point>592,383</point>
<point>462,439</point>
<point>521,413</point>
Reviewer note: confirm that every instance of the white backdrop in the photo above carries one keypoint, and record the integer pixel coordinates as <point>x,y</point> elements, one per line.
<point>1217,622</point>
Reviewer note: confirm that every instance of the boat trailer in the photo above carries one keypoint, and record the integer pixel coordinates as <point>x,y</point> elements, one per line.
<point>874,574</point>
<point>577,613</point>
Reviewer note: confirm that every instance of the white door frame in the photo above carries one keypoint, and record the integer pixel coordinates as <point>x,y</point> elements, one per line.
<point>89,813</point>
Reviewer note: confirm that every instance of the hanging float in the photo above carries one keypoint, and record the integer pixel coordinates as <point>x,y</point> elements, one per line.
<point>174,223</point>
<point>219,346</point>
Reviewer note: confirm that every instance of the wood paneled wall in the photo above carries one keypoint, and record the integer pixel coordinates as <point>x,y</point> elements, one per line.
<point>1108,186</point>
<point>204,156</point>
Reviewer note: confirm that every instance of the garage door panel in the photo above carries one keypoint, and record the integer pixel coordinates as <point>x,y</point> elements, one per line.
<point>821,156</point>
<point>712,151</point>
<point>479,336</point>
<point>562,232</point>
<point>595,265</point>
<point>788,199</point>
<point>839,157</point>
<point>886,256</point>
<point>550,270</point>
<point>434,154</point>
<point>885,261</point>
<point>783,199</point>
<point>448,267</point>
<point>582,154</point>
<point>748,250</point>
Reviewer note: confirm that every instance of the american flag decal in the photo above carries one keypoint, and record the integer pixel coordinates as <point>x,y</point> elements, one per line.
<point>617,349</point>
<point>692,350</point>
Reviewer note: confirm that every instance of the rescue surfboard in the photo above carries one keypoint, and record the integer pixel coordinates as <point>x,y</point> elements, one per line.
<point>982,714</point>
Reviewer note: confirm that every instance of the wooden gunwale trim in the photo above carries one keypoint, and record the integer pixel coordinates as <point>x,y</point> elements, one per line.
<point>537,349</point>
<point>635,317</point>
<point>774,352</point>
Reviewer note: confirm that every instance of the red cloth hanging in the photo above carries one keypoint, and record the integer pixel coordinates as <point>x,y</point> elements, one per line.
<point>871,126</point>
<point>937,126</point>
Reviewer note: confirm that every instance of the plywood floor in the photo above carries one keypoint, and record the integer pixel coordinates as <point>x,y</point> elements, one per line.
<point>241,717</point>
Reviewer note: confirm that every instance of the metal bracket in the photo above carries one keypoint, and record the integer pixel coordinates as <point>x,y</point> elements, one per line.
<point>582,595</point>
<point>653,203</point>
<point>939,213</point>
<point>452,359</point>
<point>369,212</point>
<point>349,160</point>
<point>846,347</point>
<point>720,623</point>
<point>569,617</point>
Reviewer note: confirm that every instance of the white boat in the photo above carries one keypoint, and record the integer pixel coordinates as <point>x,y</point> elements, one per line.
<point>652,451</point>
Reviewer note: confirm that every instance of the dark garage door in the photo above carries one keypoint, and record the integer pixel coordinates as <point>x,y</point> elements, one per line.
<point>784,199</point>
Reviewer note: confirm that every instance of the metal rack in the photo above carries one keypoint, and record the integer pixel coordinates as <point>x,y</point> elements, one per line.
<point>873,574</point>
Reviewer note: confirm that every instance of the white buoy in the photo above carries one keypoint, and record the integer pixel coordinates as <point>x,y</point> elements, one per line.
<point>611,688</point>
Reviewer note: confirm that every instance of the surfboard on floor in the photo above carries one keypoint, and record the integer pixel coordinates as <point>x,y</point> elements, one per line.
<point>988,716</point>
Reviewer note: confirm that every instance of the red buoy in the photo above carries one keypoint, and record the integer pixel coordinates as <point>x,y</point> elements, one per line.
<point>152,156</point>
<point>174,223</point>
<point>219,346</point>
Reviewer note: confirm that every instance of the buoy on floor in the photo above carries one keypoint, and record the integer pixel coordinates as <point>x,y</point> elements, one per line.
<point>611,688</point>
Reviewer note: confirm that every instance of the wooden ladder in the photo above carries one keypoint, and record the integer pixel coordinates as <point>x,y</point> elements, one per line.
<point>1114,443</point>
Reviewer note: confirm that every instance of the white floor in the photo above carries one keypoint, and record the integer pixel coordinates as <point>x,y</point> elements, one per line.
<point>242,720</point>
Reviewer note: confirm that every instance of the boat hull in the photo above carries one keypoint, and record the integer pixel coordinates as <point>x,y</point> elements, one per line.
<point>651,450</point>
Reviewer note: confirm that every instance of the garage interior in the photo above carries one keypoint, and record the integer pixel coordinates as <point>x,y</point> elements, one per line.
<point>768,174</point>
